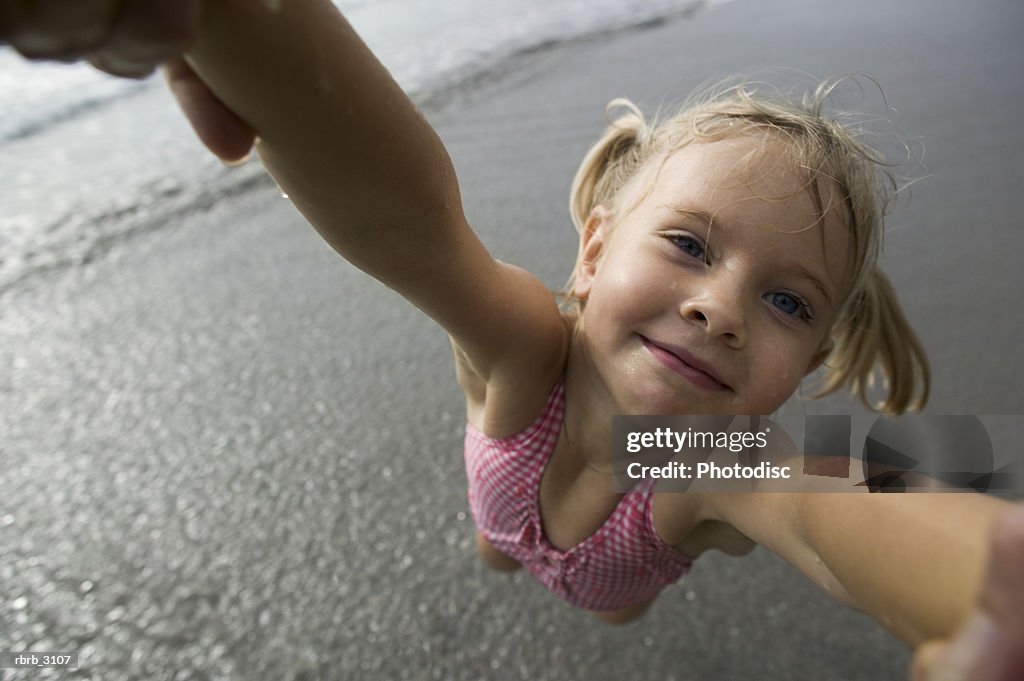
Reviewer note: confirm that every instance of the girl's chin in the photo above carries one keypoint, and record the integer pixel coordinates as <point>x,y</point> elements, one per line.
<point>663,400</point>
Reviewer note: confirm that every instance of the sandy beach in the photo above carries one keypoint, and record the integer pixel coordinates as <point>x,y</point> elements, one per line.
<point>227,454</point>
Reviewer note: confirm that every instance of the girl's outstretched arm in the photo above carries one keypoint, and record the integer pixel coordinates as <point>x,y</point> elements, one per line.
<point>366,169</point>
<point>338,134</point>
<point>340,137</point>
<point>914,562</point>
<point>130,40</point>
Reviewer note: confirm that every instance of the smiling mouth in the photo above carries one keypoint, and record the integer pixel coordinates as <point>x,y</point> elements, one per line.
<point>684,365</point>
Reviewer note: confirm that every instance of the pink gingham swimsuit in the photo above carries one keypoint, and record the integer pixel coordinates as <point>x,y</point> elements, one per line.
<point>623,563</point>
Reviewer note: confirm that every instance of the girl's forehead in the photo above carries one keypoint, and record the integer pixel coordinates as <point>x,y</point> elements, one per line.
<point>749,176</point>
<point>751,164</point>
<point>747,186</point>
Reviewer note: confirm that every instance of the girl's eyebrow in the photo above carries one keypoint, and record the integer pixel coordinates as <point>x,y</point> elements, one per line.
<point>701,215</point>
<point>804,273</point>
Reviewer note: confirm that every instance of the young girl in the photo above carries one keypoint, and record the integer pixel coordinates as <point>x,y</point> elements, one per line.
<point>725,254</point>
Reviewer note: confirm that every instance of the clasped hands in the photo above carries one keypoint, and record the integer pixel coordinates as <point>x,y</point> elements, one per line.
<point>131,39</point>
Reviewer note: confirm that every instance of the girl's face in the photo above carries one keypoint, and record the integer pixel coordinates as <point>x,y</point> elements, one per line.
<point>716,292</point>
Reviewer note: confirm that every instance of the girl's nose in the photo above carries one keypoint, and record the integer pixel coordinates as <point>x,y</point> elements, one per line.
<point>719,312</point>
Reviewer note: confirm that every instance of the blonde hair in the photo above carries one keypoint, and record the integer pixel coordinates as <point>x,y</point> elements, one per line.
<point>871,334</point>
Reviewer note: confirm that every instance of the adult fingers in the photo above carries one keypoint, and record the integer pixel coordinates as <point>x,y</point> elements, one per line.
<point>145,34</point>
<point>264,5</point>
<point>223,132</point>
<point>55,29</point>
<point>122,37</point>
<point>10,11</point>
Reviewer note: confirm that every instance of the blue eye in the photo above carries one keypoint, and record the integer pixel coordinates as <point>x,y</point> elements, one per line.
<point>689,246</point>
<point>791,305</point>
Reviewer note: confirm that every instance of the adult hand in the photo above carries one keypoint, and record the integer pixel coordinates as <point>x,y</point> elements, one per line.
<point>127,38</point>
<point>990,646</point>
<point>130,38</point>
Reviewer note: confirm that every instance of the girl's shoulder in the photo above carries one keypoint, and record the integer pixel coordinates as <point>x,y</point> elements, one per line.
<point>506,402</point>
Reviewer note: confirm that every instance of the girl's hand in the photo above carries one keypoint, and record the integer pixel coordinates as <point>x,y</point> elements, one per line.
<point>990,646</point>
<point>224,133</point>
<point>130,38</point>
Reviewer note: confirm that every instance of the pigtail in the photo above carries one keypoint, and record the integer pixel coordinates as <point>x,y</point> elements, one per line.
<point>876,333</point>
<point>622,149</point>
<point>610,162</point>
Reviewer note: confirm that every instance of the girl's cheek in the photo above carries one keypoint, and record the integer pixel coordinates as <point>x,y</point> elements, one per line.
<point>646,279</point>
<point>783,375</point>
<point>623,286</point>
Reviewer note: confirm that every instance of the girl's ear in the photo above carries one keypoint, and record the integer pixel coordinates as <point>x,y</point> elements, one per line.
<point>591,248</point>
<point>820,356</point>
